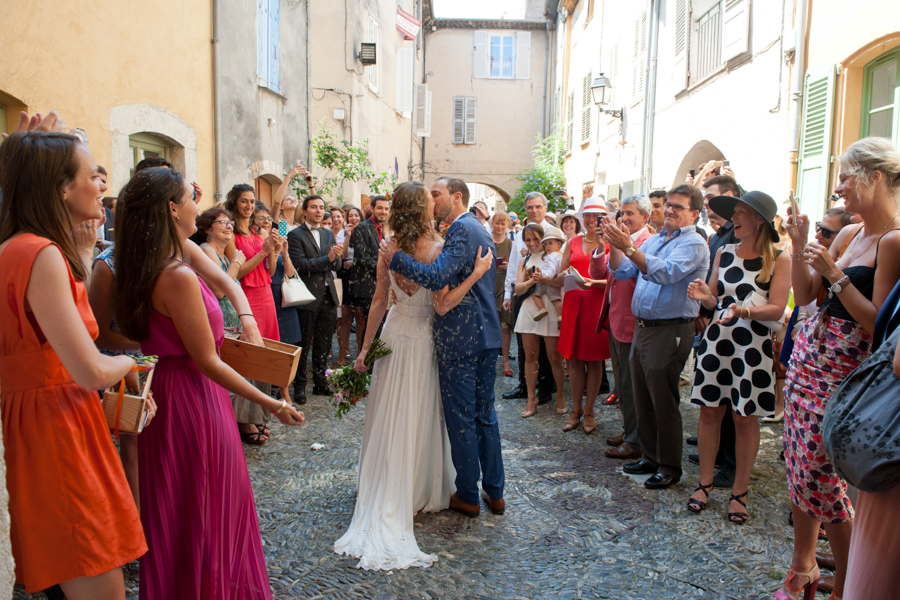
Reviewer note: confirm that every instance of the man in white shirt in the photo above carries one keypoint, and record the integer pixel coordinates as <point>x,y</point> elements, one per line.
<point>535,211</point>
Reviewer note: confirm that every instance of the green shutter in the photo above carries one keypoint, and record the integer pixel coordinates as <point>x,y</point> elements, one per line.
<point>815,141</point>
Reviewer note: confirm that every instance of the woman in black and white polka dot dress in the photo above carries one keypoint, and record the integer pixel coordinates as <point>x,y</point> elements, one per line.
<point>735,362</point>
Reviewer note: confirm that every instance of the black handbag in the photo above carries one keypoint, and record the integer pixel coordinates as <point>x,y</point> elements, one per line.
<point>862,422</point>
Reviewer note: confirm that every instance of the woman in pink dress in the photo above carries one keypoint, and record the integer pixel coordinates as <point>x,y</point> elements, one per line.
<point>257,247</point>
<point>198,511</point>
<point>579,342</point>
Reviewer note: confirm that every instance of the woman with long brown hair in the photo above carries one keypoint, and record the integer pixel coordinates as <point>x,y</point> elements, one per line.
<point>200,517</point>
<point>73,521</point>
<point>405,459</point>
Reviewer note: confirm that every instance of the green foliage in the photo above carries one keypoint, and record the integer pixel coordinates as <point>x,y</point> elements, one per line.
<point>383,184</point>
<point>334,162</point>
<point>547,175</point>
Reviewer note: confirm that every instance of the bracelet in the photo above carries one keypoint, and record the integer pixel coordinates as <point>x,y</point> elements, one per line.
<point>283,405</point>
<point>246,315</point>
<point>798,255</point>
<point>748,313</point>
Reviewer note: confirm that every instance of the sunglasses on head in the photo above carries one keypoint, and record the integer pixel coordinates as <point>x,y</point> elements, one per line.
<point>826,233</point>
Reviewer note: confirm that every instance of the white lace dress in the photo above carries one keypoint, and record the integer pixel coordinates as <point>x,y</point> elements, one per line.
<point>405,464</point>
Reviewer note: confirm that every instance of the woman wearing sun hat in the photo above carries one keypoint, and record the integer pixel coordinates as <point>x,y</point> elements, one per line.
<point>752,280</point>
<point>579,343</point>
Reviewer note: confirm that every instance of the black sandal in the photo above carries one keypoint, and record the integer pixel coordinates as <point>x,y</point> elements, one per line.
<point>739,518</point>
<point>694,505</point>
<point>264,429</point>
<point>256,437</point>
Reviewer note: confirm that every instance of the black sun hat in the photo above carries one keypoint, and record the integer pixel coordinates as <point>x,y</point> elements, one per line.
<point>761,202</point>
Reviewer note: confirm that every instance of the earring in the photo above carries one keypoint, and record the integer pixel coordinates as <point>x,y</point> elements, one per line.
<point>176,217</point>
<point>209,238</point>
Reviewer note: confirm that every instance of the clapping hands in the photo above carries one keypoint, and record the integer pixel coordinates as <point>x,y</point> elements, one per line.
<point>698,290</point>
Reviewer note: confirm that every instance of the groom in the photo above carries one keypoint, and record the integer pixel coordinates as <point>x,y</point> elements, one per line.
<point>466,342</point>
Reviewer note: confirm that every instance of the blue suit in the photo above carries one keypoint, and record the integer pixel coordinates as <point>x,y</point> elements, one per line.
<point>466,341</point>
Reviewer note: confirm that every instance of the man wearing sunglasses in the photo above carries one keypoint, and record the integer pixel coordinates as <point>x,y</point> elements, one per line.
<point>827,229</point>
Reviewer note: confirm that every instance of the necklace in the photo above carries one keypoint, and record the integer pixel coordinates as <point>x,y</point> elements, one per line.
<point>871,238</point>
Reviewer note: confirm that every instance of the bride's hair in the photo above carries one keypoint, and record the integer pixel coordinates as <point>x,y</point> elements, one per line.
<point>409,219</point>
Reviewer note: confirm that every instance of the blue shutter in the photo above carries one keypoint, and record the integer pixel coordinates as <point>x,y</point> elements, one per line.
<point>273,78</point>
<point>262,37</point>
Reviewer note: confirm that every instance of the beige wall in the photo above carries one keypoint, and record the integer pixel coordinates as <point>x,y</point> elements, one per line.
<point>509,113</point>
<point>334,43</point>
<point>85,58</point>
<point>850,41</point>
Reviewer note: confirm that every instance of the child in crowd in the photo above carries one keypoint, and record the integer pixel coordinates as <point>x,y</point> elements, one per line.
<point>552,242</point>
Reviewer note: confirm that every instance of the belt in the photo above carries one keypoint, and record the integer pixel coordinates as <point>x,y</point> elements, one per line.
<point>663,322</point>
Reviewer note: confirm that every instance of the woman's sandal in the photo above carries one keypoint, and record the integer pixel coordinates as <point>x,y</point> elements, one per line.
<point>739,518</point>
<point>255,437</point>
<point>531,412</point>
<point>694,505</point>
<point>264,429</point>
<point>808,590</point>
<point>572,421</point>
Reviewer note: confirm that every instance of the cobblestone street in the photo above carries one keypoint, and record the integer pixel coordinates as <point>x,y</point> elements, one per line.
<point>575,525</point>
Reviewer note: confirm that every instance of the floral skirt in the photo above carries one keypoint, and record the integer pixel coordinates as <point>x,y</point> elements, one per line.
<point>826,351</point>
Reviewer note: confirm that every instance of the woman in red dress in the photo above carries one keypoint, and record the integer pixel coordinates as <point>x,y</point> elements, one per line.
<point>579,343</point>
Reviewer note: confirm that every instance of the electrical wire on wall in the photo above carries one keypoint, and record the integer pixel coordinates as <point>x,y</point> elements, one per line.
<point>337,93</point>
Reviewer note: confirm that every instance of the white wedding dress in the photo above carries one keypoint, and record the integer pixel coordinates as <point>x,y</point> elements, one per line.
<point>405,464</point>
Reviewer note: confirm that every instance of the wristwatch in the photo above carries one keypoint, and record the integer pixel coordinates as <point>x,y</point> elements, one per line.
<point>838,286</point>
<point>630,251</point>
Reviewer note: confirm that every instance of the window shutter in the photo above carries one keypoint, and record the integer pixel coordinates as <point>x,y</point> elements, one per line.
<point>639,57</point>
<point>470,120</point>
<point>479,54</point>
<point>570,122</point>
<point>586,102</point>
<point>736,38</point>
<point>815,140</point>
<point>262,42</point>
<point>404,102</point>
<point>459,120</point>
<point>523,55</point>
<point>614,77</point>
<point>423,111</point>
<point>679,68</point>
<point>274,79</point>
<point>372,70</point>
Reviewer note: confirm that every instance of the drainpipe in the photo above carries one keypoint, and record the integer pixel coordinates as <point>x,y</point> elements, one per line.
<point>797,93</point>
<point>650,98</point>
<point>546,77</point>
<point>217,110</point>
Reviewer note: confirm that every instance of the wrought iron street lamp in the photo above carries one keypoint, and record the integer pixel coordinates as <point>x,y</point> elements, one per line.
<point>599,89</point>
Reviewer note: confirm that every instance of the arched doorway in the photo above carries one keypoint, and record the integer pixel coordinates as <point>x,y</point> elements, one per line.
<point>701,153</point>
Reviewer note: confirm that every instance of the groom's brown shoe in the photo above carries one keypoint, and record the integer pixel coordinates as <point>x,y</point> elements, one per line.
<point>498,507</point>
<point>470,510</point>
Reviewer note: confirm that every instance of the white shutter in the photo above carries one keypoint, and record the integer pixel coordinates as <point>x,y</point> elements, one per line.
<point>815,141</point>
<point>523,55</point>
<point>404,101</point>
<point>614,78</point>
<point>459,120</point>
<point>423,111</point>
<point>679,67</point>
<point>372,70</point>
<point>570,122</point>
<point>736,37</point>
<point>586,102</point>
<point>470,120</point>
<point>479,54</point>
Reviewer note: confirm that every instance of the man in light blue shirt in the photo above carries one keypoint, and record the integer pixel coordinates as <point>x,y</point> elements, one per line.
<point>664,267</point>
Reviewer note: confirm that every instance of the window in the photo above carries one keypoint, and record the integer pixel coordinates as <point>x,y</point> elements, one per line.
<point>143,146</point>
<point>501,55</point>
<point>590,13</point>
<point>587,100</point>
<point>464,109</point>
<point>267,72</point>
<point>423,111</point>
<point>403,103</point>
<point>708,34</point>
<point>372,70</point>
<point>881,98</point>
<point>570,122</point>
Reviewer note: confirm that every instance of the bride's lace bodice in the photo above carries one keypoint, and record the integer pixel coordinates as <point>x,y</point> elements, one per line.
<point>413,314</point>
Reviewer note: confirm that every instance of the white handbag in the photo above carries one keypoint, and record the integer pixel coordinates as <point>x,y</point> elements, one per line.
<point>757,299</point>
<point>294,292</point>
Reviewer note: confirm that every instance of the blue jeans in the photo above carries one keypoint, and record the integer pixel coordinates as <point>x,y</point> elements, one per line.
<point>467,392</point>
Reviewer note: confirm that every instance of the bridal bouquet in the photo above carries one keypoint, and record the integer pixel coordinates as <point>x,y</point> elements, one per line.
<point>348,385</point>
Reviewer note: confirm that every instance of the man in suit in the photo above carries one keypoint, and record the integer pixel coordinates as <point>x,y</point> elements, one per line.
<point>364,240</point>
<point>314,254</point>
<point>466,341</point>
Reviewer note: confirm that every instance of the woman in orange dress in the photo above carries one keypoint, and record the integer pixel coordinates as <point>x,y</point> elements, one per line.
<point>73,519</point>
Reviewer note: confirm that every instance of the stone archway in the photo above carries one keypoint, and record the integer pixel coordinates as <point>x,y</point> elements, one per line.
<point>701,152</point>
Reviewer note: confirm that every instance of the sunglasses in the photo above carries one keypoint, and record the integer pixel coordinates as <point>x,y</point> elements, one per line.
<point>826,233</point>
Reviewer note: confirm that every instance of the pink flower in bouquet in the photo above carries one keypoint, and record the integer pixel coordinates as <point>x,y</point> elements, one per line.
<point>339,397</point>
<point>328,372</point>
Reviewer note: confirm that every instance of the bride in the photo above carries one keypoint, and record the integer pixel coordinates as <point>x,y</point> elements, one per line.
<point>404,463</point>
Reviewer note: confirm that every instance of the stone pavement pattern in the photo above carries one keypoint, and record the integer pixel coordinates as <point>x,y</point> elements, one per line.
<point>575,525</point>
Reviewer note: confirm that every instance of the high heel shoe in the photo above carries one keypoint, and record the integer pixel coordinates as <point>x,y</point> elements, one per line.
<point>808,590</point>
<point>589,424</point>
<point>572,421</point>
<point>530,412</point>
<point>739,518</point>
<point>694,505</point>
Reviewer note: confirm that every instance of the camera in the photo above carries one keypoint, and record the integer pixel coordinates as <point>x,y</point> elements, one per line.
<point>473,211</point>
